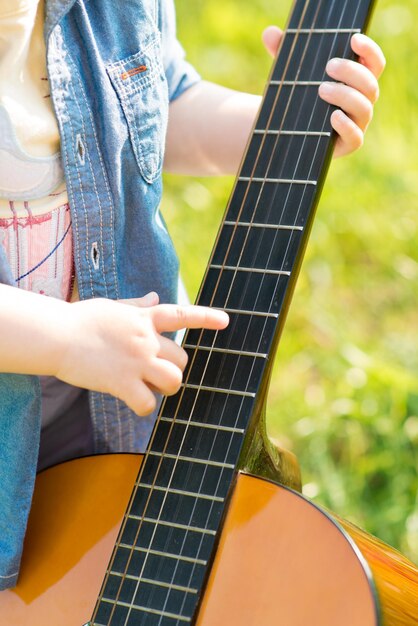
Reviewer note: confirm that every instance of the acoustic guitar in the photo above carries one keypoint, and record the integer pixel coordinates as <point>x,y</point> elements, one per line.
<point>215,532</point>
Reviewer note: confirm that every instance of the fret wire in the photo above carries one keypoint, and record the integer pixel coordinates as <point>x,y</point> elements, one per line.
<point>191,459</point>
<point>280,83</point>
<point>256,355</point>
<point>310,31</point>
<point>226,429</point>
<point>180,492</point>
<point>291,181</point>
<point>294,83</point>
<point>260,225</point>
<point>178,458</point>
<point>334,31</point>
<point>157,583</point>
<point>308,133</point>
<point>148,610</point>
<point>306,31</point>
<point>168,555</point>
<point>232,392</point>
<point>160,522</point>
<point>255,313</point>
<point>250,270</point>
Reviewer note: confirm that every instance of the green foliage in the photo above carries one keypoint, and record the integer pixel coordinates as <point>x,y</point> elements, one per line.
<point>344,394</point>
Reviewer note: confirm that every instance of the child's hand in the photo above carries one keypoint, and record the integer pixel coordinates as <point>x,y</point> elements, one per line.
<point>355,93</point>
<point>117,347</point>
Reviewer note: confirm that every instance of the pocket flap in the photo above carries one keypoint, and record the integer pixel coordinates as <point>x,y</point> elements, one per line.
<point>136,72</point>
<point>141,86</point>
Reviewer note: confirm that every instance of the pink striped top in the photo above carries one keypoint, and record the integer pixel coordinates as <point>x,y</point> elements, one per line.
<point>40,250</point>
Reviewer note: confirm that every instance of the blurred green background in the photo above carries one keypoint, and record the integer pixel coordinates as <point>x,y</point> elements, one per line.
<point>344,395</point>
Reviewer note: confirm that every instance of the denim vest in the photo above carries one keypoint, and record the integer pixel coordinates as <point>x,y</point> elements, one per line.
<point>113,67</point>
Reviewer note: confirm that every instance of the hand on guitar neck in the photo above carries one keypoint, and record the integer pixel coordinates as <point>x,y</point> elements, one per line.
<point>196,147</point>
<point>354,89</point>
<point>101,344</point>
<point>124,351</point>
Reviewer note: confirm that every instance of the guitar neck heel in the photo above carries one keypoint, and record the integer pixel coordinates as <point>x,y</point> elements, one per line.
<point>265,458</point>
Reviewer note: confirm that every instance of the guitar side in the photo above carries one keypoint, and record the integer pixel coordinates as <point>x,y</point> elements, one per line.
<point>280,559</point>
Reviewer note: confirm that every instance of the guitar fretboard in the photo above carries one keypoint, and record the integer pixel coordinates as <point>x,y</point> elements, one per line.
<point>163,553</point>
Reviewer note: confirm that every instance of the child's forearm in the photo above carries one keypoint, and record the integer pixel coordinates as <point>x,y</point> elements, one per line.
<point>208,130</point>
<point>32,336</point>
<point>209,125</point>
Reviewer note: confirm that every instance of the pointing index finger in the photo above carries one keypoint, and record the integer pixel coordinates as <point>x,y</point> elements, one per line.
<point>171,317</point>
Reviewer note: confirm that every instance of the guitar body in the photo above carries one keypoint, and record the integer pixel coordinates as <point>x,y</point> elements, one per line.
<point>280,559</point>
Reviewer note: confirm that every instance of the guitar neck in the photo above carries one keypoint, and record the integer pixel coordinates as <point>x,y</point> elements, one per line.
<point>163,553</point>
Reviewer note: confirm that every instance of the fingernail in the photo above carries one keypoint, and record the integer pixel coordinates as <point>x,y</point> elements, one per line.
<point>333,64</point>
<point>361,37</point>
<point>150,298</point>
<point>326,89</point>
<point>225,317</point>
<point>338,115</point>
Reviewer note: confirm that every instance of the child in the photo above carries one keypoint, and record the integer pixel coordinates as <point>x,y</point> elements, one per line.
<point>82,140</point>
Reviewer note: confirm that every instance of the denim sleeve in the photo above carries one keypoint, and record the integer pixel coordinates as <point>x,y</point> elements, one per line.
<point>180,74</point>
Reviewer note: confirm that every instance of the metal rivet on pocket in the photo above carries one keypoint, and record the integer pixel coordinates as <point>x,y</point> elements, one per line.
<point>81,151</point>
<point>95,255</point>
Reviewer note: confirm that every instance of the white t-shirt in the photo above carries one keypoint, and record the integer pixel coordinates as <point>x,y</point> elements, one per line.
<point>30,165</point>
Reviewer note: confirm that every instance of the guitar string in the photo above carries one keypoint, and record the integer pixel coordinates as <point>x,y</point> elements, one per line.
<point>188,585</point>
<point>175,464</point>
<point>192,513</point>
<point>297,164</point>
<point>271,203</point>
<point>237,264</point>
<point>295,168</point>
<point>153,484</point>
<point>313,160</point>
<point>200,435</point>
<point>249,375</point>
<point>303,146</point>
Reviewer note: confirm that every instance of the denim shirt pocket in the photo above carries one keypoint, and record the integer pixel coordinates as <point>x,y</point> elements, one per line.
<point>141,87</point>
